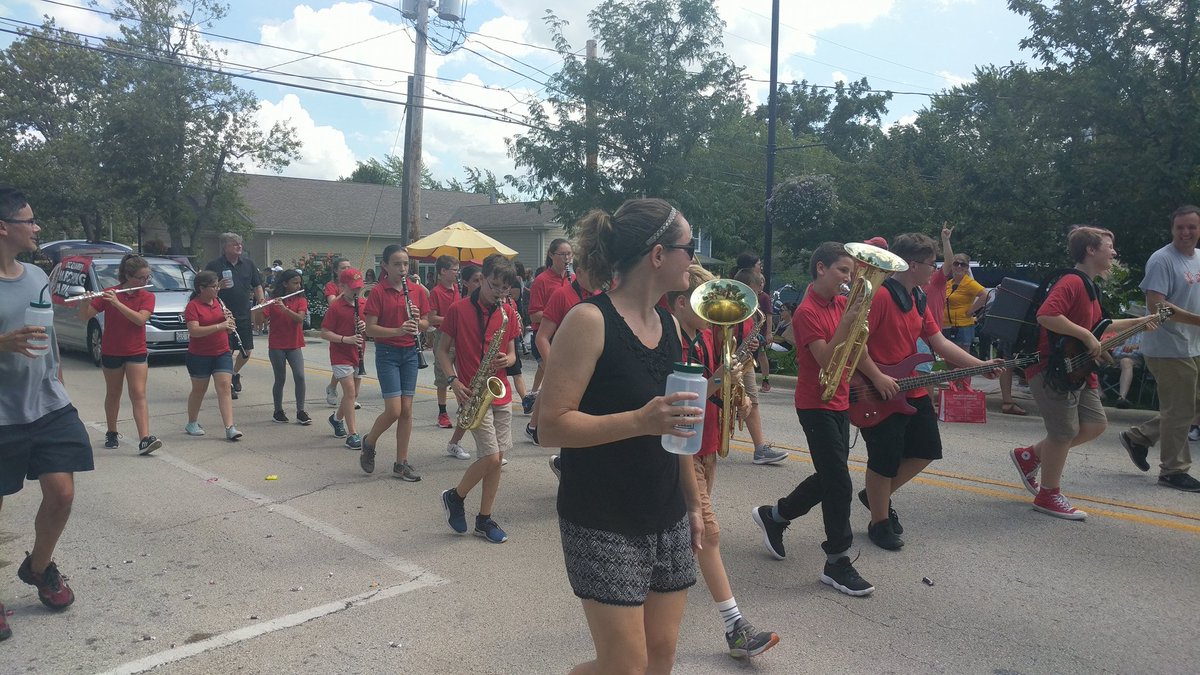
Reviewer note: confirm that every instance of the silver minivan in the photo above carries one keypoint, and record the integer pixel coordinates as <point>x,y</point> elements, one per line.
<point>166,331</point>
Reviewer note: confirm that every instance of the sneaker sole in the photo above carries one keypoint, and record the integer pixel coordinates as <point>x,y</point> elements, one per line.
<point>830,581</point>
<point>770,460</point>
<point>280,421</point>
<point>483,535</point>
<point>150,448</point>
<point>553,469</point>
<point>743,653</point>
<point>1077,515</point>
<point>1176,487</point>
<point>189,433</point>
<point>1024,480</point>
<point>766,539</point>
<point>304,423</point>
<point>446,512</point>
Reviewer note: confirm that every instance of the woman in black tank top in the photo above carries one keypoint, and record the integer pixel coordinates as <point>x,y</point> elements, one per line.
<point>629,516</point>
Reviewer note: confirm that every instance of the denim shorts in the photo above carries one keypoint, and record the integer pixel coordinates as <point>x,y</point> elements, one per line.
<point>203,367</point>
<point>397,370</point>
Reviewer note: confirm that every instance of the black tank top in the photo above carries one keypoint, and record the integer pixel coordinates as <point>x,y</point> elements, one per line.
<point>630,487</point>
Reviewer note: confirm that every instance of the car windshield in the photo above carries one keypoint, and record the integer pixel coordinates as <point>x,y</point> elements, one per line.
<point>165,275</point>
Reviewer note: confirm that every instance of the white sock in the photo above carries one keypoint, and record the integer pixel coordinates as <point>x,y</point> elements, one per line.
<point>729,613</point>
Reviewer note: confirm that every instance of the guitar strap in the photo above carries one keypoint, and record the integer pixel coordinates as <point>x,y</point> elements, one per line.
<point>902,298</point>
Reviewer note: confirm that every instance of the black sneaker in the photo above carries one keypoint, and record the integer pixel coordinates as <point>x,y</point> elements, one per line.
<point>884,537</point>
<point>234,394</point>
<point>237,382</point>
<point>892,515</point>
<point>303,418</point>
<point>111,439</point>
<point>745,641</point>
<point>366,458</point>
<point>842,576</point>
<point>455,510</point>
<point>556,466</point>
<point>1137,451</point>
<point>280,417</point>
<point>1180,481</point>
<point>148,445</point>
<point>772,531</point>
<point>531,433</point>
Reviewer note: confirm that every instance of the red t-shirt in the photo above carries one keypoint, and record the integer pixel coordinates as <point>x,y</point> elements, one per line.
<point>286,332</point>
<point>440,299</point>
<point>816,318</point>
<point>1068,297</point>
<point>331,288</point>
<point>121,336</point>
<point>387,303</point>
<point>213,344</point>
<point>563,300</point>
<point>543,289</point>
<point>339,319</point>
<point>463,322</point>
<point>894,333</point>
<point>704,352</point>
<point>935,290</point>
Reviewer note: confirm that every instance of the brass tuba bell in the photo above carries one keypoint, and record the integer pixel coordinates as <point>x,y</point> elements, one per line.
<point>725,303</point>
<point>871,266</point>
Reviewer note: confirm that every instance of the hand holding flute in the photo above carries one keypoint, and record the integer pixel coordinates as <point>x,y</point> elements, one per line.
<point>100,294</point>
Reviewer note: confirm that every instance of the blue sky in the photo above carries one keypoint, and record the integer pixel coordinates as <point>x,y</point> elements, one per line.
<point>902,45</point>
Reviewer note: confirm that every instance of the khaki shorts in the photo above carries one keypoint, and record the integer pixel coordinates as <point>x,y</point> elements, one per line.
<point>439,376</point>
<point>495,432</point>
<point>1064,412</point>
<point>750,382</point>
<point>706,475</point>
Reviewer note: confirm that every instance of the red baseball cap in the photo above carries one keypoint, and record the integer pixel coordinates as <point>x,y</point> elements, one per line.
<point>352,278</point>
<point>877,241</point>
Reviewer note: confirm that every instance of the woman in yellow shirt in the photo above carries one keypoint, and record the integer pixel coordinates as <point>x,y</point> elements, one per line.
<point>964,296</point>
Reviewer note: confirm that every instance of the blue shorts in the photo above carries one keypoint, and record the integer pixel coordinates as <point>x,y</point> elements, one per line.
<point>203,367</point>
<point>55,443</point>
<point>923,348</point>
<point>396,368</point>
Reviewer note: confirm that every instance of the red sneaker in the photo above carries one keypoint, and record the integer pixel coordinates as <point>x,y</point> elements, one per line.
<point>52,587</point>
<point>1053,502</point>
<point>444,420</point>
<point>1027,464</point>
<point>5,631</point>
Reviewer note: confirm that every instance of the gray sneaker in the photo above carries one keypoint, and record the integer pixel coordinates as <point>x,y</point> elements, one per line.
<point>232,434</point>
<point>366,458</point>
<point>765,454</point>
<point>339,427</point>
<point>331,396</point>
<point>404,471</point>
<point>746,641</point>
<point>354,442</point>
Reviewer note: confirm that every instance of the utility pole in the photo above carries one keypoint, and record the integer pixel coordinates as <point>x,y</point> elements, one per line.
<point>410,228</point>
<point>405,207</point>
<point>772,102</point>
<point>590,115</point>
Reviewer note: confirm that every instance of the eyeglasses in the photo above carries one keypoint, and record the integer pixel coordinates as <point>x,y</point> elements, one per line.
<point>143,278</point>
<point>210,286</point>
<point>22,221</point>
<point>960,264</point>
<point>689,248</point>
<point>565,254</point>
<point>922,262</point>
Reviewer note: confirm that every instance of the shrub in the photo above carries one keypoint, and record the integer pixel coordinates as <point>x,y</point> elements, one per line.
<point>316,270</point>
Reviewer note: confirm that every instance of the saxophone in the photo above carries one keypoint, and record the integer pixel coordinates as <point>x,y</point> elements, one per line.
<point>484,386</point>
<point>741,358</point>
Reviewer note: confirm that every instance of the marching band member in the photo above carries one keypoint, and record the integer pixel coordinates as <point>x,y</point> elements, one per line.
<point>443,295</point>
<point>332,291</point>
<point>285,342</point>
<point>209,325</point>
<point>343,328</point>
<point>553,277</point>
<point>744,332</point>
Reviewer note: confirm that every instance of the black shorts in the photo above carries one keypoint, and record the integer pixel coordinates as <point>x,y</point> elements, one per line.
<point>114,362</point>
<point>901,437</point>
<point>537,356</point>
<point>245,331</point>
<point>55,443</point>
<point>615,569</point>
<point>516,367</point>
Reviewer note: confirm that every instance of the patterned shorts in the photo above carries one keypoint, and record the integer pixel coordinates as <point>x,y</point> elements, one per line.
<point>615,569</point>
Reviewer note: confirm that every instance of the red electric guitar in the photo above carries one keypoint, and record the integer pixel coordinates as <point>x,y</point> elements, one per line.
<point>867,408</point>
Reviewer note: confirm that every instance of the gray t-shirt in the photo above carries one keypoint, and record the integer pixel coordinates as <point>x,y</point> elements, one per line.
<point>31,387</point>
<point>1177,277</point>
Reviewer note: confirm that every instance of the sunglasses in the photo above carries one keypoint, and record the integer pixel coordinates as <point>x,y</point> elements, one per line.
<point>689,248</point>
<point>960,264</point>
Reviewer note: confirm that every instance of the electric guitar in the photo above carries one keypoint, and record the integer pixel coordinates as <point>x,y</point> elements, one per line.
<point>867,407</point>
<point>1069,364</point>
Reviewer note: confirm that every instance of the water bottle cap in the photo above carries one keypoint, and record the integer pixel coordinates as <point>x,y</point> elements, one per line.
<point>692,368</point>
<point>40,304</point>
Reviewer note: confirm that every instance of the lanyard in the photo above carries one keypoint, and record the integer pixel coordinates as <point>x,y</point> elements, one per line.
<point>482,324</point>
<point>578,290</point>
<point>697,346</point>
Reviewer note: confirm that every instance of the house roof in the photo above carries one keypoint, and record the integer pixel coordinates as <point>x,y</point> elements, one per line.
<point>522,215</point>
<point>307,205</point>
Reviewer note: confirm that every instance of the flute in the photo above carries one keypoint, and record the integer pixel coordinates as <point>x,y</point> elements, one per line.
<point>237,338</point>
<point>100,294</point>
<point>272,300</point>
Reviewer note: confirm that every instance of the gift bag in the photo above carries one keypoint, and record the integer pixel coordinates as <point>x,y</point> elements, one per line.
<point>961,403</point>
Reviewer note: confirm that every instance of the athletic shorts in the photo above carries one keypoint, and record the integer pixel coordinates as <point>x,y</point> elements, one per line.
<point>396,368</point>
<point>706,474</point>
<point>537,356</point>
<point>245,330</point>
<point>750,382</point>
<point>901,437</point>
<point>204,367</point>
<point>494,434</point>
<point>615,569</point>
<point>115,362</point>
<point>1062,412</point>
<point>439,376</point>
<point>516,368</point>
<point>55,443</point>
<point>342,372</point>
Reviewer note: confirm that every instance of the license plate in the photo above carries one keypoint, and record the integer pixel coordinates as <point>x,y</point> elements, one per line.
<point>182,336</point>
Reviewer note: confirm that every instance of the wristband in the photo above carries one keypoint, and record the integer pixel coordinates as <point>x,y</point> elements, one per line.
<point>450,380</point>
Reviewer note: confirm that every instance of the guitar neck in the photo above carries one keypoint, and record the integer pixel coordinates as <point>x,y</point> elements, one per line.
<point>1120,338</point>
<point>918,381</point>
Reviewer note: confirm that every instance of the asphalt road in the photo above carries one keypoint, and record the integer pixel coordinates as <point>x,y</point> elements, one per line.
<point>192,562</point>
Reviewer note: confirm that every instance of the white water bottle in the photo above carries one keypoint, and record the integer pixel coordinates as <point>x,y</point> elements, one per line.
<point>39,313</point>
<point>687,377</point>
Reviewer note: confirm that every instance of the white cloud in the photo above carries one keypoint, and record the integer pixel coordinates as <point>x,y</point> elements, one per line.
<point>324,153</point>
<point>953,80</point>
<point>839,76</point>
<point>76,18</point>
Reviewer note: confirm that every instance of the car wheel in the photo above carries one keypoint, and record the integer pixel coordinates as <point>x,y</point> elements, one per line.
<point>93,342</point>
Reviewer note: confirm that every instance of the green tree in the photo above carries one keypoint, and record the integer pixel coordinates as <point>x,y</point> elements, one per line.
<point>846,117</point>
<point>660,92</point>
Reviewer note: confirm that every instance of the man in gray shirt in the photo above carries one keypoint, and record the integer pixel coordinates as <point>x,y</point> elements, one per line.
<point>1172,354</point>
<point>41,436</point>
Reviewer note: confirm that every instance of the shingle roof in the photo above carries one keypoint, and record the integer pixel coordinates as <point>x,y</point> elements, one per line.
<point>500,216</point>
<point>287,204</point>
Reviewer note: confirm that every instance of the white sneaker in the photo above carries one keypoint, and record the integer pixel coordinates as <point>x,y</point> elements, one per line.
<point>1194,433</point>
<point>457,451</point>
<point>331,395</point>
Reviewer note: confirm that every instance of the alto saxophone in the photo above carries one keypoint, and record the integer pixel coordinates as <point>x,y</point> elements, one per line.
<point>485,386</point>
<point>737,395</point>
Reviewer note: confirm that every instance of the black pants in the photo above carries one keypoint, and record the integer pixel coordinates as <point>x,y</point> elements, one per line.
<point>828,434</point>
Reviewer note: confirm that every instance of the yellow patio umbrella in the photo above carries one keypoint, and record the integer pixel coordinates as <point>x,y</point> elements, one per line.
<point>461,241</point>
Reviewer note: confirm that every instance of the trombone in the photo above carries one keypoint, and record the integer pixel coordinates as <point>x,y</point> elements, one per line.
<point>725,303</point>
